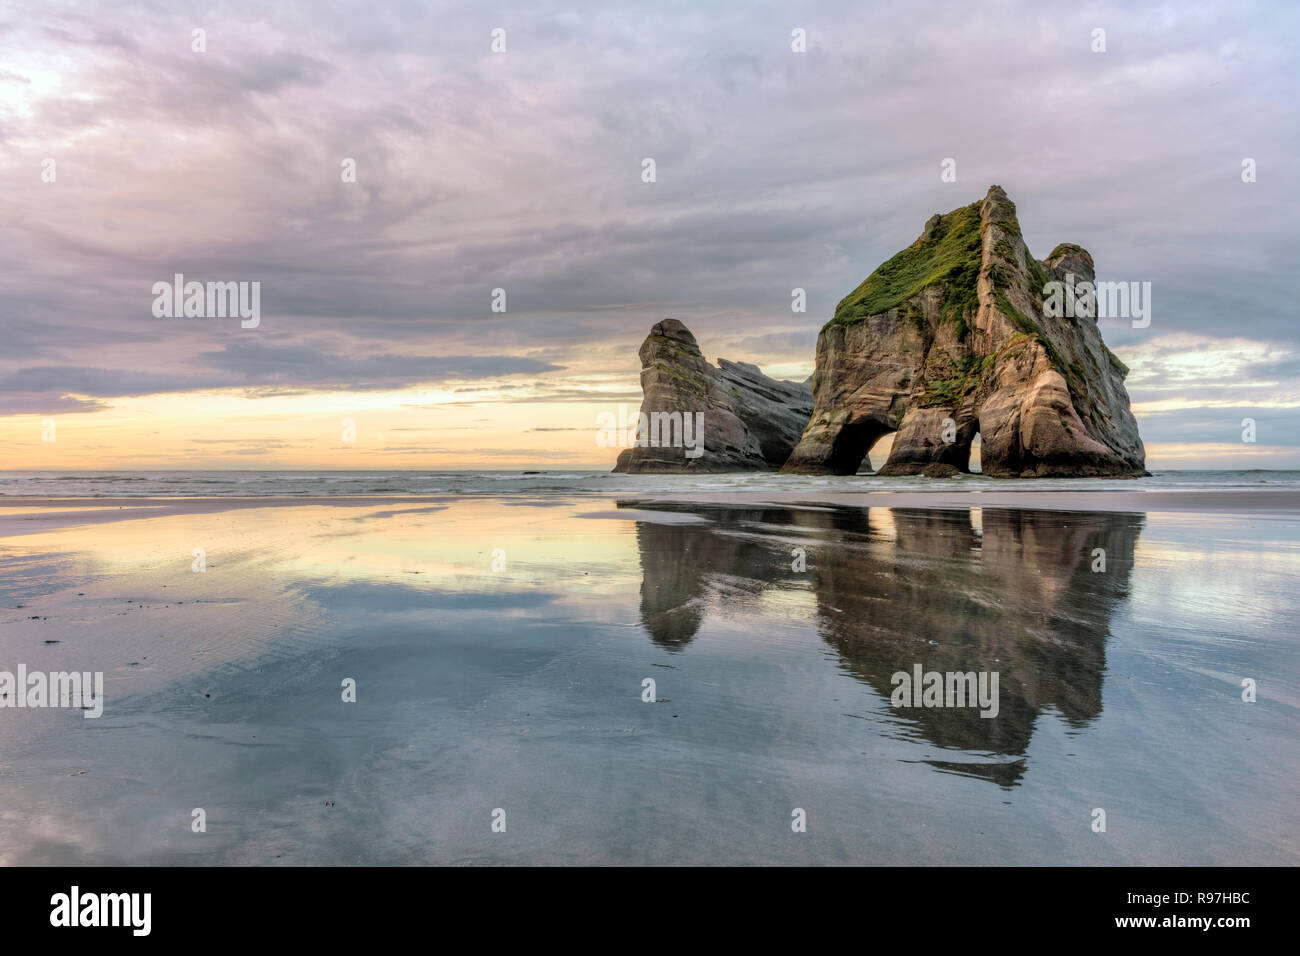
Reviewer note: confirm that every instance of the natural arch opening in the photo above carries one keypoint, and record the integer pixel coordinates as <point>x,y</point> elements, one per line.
<point>851,445</point>
<point>880,451</point>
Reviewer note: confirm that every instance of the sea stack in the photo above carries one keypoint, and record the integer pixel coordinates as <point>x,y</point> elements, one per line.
<point>954,328</point>
<point>748,421</point>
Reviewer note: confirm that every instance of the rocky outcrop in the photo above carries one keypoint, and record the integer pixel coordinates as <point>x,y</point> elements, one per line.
<point>747,421</point>
<point>950,339</point>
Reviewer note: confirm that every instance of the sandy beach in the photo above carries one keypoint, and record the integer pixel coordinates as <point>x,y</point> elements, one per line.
<point>499,647</point>
<point>28,515</point>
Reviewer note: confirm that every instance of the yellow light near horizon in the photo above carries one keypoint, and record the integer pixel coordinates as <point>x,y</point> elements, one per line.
<point>474,425</point>
<point>416,428</point>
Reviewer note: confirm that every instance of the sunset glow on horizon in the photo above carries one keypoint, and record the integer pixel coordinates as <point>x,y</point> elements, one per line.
<point>455,249</point>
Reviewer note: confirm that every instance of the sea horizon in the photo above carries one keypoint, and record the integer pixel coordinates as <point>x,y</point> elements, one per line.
<point>150,482</point>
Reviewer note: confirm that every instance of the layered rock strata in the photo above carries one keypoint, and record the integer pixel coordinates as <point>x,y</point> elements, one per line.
<point>698,417</point>
<point>951,338</point>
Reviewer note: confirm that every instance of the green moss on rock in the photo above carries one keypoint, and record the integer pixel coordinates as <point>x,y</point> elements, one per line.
<point>1000,276</point>
<point>1022,322</point>
<point>966,375</point>
<point>1115,362</point>
<point>1064,248</point>
<point>1037,275</point>
<point>948,256</point>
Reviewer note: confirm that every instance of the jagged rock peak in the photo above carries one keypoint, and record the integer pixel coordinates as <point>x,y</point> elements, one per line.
<point>949,339</point>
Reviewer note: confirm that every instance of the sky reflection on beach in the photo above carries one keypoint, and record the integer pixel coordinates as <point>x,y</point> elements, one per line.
<point>520,688</point>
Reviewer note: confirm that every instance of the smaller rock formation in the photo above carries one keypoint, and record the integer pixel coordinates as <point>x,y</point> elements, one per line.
<point>746,421</point>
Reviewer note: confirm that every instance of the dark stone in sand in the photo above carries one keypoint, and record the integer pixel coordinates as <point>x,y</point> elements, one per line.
<point>940,470</point>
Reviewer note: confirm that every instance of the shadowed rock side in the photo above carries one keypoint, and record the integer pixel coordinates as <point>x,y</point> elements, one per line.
<point>954,327</point>
<point>750,422</point>
<point>1017,596</point>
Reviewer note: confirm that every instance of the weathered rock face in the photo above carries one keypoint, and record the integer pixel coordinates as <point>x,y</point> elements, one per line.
<point>954,327</point>
<point>749,422</point>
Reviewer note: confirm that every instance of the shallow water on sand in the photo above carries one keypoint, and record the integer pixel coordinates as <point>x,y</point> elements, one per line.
<point>520,688</point>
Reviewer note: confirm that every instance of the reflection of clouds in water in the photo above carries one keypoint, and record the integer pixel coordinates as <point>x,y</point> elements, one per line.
<point>1001,590</point>
<point>522,689</point>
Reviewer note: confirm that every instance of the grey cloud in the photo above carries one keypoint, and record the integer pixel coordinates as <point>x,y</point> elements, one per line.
<point>277,364</point>
<point>1273,426</point>
<point>46,404</point>
<point>521,171</point>
<point>264,368</point>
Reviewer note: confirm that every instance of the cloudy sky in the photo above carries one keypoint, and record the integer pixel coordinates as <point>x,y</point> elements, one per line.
<point>127,156</point>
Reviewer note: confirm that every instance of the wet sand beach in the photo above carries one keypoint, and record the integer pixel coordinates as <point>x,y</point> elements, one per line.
<point>499,647</point>
<point>20,515</point>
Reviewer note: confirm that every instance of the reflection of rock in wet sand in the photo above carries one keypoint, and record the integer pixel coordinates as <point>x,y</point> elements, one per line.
<point>672,580</point>
<point>1007,591</point>
<point>680,563</point>
<point>1020,599</point>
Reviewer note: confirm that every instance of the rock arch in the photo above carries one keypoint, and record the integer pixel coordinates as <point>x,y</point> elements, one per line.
<point>953,328</point>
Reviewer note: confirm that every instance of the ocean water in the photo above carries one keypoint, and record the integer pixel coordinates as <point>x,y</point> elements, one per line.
<point>95,484</point>
<point>772,634</point>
